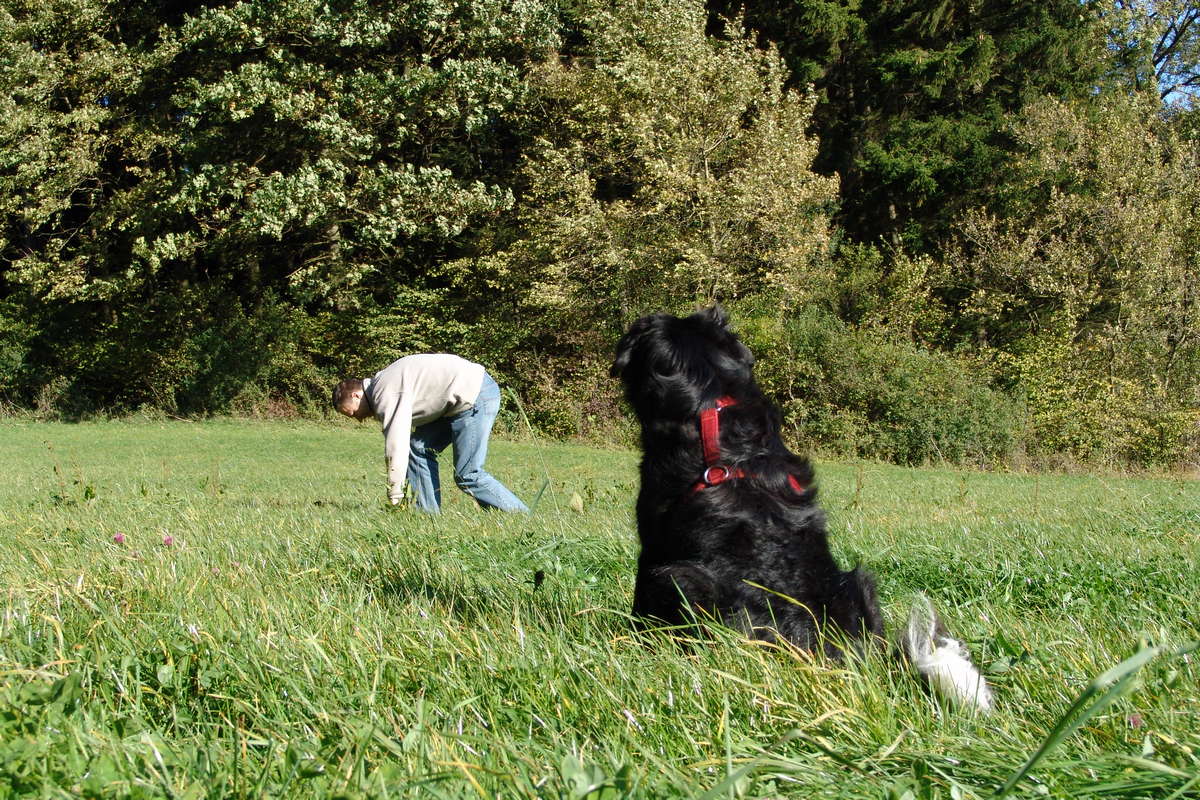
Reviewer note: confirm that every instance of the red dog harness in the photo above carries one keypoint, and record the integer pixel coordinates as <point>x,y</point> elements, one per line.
<point>715,472</point>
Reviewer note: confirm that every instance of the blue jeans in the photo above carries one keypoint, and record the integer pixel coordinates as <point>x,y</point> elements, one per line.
<point>468,432</point>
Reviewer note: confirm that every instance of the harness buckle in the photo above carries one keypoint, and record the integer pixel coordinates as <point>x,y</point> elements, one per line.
<point>717,473</point>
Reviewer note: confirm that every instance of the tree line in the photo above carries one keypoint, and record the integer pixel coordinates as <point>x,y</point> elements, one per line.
<point>949,230</point>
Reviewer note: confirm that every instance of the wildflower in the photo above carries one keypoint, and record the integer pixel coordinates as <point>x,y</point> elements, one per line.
<point>118,538</point>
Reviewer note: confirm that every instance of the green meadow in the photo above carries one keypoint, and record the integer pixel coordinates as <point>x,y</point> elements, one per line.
<point>227,609</point>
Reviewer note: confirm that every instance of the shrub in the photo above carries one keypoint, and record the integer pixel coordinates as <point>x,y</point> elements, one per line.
<point>1079,411</point>
<point>858,392</point>
<point>16,334</point>
<point>195,351</point>
<point>1082,288</point>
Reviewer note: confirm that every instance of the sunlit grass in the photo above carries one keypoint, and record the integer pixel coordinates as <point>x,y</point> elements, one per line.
<point>297,639</point>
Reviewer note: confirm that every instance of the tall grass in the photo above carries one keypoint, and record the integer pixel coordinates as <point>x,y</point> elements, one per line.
<point>266,627</point>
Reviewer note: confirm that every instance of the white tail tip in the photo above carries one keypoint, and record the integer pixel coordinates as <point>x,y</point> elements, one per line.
<point>943,659</point>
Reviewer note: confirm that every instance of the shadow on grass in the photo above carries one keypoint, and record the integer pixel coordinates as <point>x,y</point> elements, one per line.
<point>435,590</point>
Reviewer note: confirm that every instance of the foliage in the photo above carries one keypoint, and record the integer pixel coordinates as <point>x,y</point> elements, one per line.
<point>212,207</point>
<point>676,170</point>
<point>1155,45</point>
<point>914,97</point>
<point>860,392</point>
<point>343,132</point>
<point>891,292</point>
<point>1088,284</point>
<point>670,168</point>
<point>187,355</point>
<point>315,154</point>
<point>16,331</point>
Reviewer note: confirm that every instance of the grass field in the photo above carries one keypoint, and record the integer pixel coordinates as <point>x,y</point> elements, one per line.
<point>267,628</point>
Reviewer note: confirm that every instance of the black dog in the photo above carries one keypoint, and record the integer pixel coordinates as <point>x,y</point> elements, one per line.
<point>727,515</point>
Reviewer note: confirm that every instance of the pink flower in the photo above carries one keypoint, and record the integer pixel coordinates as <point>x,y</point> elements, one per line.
<point>1135,720</point>
<point>119,538</point>
<point>168,540</point>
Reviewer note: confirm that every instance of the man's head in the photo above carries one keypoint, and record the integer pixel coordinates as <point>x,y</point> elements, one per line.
<point>350,398</point>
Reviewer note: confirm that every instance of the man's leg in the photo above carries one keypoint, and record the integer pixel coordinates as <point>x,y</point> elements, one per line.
<point>424,445</point>
<point>470,431</point>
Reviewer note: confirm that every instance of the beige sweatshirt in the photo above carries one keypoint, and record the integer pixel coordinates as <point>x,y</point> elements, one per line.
<point>413,391</point>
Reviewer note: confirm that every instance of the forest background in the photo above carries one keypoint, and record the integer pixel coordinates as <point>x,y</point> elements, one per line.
<point>951,230</point>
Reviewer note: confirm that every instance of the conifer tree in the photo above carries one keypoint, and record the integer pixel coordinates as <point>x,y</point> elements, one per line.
<point>914,95</point>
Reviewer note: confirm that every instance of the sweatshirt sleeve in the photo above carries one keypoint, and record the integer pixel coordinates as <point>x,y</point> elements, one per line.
<point>397,426</point>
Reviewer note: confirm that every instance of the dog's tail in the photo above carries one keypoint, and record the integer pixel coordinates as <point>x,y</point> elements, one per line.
<point>941,659</point>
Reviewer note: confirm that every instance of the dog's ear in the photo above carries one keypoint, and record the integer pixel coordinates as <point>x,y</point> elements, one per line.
<point>627,344</point>
<point>716,315</point>
<point>624,353</point>
<point>745,355</point>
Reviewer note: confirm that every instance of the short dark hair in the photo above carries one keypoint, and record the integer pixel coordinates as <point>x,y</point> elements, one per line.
<point>344,389</point>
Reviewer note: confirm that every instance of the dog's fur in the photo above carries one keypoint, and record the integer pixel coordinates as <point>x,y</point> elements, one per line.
<point>751,551</point>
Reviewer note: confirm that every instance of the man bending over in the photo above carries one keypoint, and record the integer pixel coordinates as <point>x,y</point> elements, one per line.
<point>426,402</point>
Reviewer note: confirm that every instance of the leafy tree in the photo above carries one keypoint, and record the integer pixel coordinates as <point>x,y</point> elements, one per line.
<point>672,168</point>
<point>319,153</point>
<point>1155,46</point>
<point>1086,289</point>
